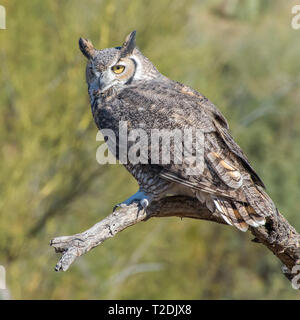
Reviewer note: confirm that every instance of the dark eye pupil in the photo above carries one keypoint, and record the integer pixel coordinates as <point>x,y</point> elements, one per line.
<point>118,68</point>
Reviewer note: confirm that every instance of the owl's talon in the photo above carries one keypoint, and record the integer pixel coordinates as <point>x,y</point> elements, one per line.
<point>140,197</point>
<point>119,205</point>
<point>144,203</point>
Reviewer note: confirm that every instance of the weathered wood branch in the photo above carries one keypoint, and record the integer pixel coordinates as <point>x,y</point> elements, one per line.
<point>277,235</point>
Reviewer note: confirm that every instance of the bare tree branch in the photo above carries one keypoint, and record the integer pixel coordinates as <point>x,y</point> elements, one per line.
<point>277,235</point>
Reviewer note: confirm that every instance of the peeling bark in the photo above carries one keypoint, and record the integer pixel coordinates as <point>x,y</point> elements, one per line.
<point>277,234</point>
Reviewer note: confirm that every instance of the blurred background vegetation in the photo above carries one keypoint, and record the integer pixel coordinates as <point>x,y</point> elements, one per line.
<point>243,55</point>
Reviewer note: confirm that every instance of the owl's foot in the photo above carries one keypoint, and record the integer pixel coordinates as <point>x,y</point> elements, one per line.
<point>140,197</point>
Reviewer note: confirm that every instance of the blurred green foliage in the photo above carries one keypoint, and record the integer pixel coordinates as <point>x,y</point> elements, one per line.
<point>243,55</point>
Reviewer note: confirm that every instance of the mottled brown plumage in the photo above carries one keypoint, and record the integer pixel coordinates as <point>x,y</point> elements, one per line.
<point>146,99</point>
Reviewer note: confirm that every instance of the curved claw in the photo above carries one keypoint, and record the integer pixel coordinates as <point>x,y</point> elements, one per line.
<point>144,203</point>
<point>117,206</point>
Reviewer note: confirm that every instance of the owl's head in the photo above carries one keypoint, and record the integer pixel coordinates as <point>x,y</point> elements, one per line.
<point>116,67</point>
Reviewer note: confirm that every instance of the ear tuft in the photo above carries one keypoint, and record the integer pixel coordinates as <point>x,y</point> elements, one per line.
<point>87,48</point>
<point>129,44</point>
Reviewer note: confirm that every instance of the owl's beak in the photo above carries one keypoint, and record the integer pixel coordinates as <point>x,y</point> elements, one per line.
<point>103,83</point>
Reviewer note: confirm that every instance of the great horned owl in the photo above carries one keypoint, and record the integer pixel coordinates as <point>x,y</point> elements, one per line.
<point>123,85</point>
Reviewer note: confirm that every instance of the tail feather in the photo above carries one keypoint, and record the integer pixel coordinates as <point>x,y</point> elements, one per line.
<point>258,219</point>
<point>223,212</point>
<point>240,215</point>
<point>252,210</point>
<point>259,200</point>
<point>249,215</point>
<point>230,214</point>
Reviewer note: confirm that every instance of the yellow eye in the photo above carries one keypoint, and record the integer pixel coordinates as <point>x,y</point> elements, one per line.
<point>118,68</point>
